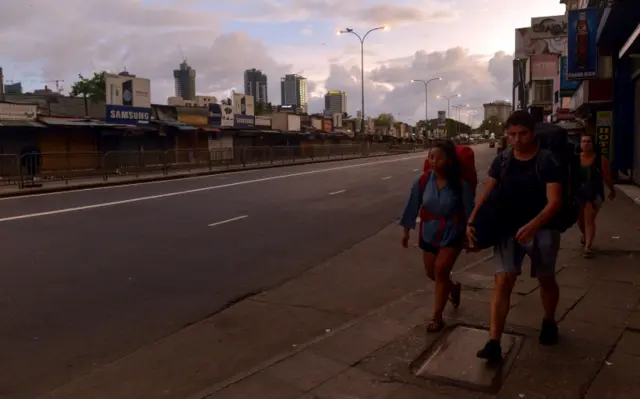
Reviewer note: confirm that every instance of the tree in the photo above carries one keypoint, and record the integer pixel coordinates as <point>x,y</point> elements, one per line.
<point>93,88</point>
<point>263,108</point>
<point>383,120</point>
<point>492,124</point>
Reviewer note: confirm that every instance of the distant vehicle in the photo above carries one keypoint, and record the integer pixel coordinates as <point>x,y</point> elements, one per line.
<point>492,143</point>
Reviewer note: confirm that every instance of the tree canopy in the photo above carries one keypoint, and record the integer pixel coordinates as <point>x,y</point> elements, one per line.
<point>93,88</point>
<point>262,108</point>
<point>492,124</point>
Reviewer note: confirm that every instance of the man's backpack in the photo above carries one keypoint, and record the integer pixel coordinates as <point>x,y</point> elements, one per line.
<point>554,141</point>
<point>467,160</point>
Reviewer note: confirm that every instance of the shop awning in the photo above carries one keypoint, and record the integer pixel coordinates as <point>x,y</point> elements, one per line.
<point>632,45</point>
<point>78,122</point>
<point>175,124</point>
<point>20,124</point>
<point>618,23</point>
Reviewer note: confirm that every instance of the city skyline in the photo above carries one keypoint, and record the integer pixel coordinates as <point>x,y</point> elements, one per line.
<point>280,40</point>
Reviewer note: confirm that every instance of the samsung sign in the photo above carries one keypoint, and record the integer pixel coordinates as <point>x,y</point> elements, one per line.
<point>243,120</point>
<point>119,114</point>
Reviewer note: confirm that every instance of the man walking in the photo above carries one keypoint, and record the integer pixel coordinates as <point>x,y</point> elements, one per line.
<point>530,179</point>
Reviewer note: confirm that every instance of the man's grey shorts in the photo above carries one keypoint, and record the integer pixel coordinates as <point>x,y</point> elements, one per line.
<point>543,252</point>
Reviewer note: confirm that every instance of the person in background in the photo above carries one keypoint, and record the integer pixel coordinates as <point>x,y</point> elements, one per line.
<point>444,201</point>
<point>595,173</point>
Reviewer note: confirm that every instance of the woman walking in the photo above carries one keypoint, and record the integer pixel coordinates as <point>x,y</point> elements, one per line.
<point>444,202</point>
<point>594,175</point>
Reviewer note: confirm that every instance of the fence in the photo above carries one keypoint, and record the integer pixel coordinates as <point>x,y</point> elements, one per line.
<point>36,169</point>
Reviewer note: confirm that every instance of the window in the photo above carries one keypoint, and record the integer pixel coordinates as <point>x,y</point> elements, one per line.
<point>543,91</point>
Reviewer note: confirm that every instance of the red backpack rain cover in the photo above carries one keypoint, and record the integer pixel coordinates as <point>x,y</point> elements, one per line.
<point>468,163</point>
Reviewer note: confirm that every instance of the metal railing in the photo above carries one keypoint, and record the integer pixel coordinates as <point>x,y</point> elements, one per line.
<point>38,169</point>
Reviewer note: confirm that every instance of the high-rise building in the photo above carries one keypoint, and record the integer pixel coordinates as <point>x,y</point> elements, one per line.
<point>255,84</point>
<point>185,79</point>
<point>335,102</point>
<point>499,109</point>
<point>293,91</point>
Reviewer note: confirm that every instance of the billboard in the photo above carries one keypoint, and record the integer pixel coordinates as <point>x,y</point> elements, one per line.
<point>262,121</point>
<point>18,112</point>
<point>442,117</point>
<point>240,120</point>
<point>582,60</point>
<point>128,99</point>
<point>566,84</point>
<point>220,115</point>
<point>549,27</point>
<point>243,104</point>
<point>527,46</point>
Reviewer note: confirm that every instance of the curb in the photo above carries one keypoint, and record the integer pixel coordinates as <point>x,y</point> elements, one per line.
<point>45,190</point>
<point>208,392</point>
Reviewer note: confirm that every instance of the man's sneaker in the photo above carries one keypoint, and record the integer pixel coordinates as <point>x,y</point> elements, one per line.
<point>549,333</point>
<point>492,351</point>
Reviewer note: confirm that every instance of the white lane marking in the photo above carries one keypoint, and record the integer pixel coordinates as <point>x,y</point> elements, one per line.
<point>386,178</point>
<point>228,220</point>
<point>337,192</point>
<point>134,183</point>
<point>415,170</point>
<point>197,190</point>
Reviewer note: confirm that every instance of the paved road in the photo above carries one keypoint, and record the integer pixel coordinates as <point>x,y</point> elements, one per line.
<point>90,276</point>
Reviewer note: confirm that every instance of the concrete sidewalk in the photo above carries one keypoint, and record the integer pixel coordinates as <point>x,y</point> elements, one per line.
<point>354,327</point>
<point>388,353</point>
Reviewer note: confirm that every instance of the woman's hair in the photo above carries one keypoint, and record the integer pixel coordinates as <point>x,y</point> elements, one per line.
<point>454,169</point>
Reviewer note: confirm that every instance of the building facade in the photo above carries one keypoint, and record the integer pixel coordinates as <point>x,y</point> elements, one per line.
<point>198,101</point>
<point>500,109</point>
<point>256,85</point>
<point>185,81</point>
<point>335,102</point>
<point>293,91</point>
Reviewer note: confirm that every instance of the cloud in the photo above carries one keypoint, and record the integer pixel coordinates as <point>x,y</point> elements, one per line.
<point>44,42</point>
<point>388,87</point>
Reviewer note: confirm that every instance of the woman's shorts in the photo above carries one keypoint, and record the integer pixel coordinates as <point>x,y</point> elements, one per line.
<point>434,249</point>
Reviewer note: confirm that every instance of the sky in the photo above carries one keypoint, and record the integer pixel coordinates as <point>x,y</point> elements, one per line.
<point>468,43</point>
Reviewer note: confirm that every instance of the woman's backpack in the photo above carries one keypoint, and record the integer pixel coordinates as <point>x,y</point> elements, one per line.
<point>467,160</point>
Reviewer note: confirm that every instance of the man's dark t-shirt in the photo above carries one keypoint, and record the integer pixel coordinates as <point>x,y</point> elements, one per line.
<point>524,186</point>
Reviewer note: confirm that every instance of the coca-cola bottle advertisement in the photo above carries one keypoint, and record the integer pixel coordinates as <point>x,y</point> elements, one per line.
<point>582,48</point>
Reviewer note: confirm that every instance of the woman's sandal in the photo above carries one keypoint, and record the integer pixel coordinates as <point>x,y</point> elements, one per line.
<point>435,326</point>
<point>587,253</point>
<point>454,296</point>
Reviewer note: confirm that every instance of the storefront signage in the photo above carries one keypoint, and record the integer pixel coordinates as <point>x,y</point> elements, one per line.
<point>240,120</point>
<point>603,129</point>
<point>263,121</point>
<point>121,115</point>
<point>566,84</point>
<point>582,61</point>
<point>193,120</point>
<point>548,27</point>
<point>18,112</point>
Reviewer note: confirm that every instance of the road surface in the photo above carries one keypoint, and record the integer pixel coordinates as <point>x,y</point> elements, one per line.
<point>90,276</point>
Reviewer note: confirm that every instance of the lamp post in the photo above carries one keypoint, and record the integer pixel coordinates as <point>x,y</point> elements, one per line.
<point>458,108</point>
<point>362,39</point>
<point>448,98</point>
<point>426,97</point>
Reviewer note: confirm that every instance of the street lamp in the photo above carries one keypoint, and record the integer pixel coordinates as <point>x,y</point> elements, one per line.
<point>362,39</point>
<point>448,98</point>
<point>458,107</point>
<point>426,95</point>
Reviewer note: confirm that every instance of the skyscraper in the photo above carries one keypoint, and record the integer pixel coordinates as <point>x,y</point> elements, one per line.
<point>185,79</point>
<point>335,102</point>
<point>255,84</point>
<point>293,91</point>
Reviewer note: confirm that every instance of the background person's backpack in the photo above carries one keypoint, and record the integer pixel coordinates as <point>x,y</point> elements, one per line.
<point>469,174</point>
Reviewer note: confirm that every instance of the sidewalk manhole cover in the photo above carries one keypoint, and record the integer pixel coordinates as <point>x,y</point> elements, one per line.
<point>452,360</point>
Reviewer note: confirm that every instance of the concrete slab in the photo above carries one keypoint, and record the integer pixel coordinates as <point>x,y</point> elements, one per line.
<point>453,360</point>
<point>617,379</point>
<point>356,383</point>
<point>306,370</point>
<point>258,386</point>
